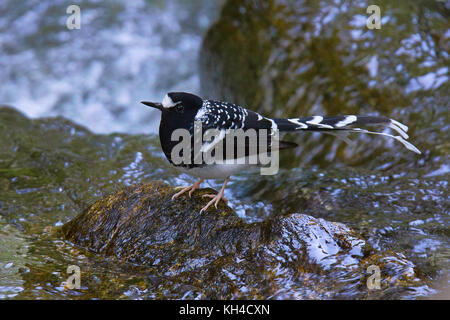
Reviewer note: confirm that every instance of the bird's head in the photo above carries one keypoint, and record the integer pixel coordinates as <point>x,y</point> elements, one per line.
<point>176,104</point>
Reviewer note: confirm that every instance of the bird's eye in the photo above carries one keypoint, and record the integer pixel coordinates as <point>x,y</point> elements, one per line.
<point>179,108</point>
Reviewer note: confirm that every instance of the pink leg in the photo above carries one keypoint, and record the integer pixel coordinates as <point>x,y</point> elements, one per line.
<point>195,186</point>
<point>216,198</point>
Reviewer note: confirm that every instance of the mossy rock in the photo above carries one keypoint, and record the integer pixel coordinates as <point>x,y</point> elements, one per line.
<point>216,254</point>
<point>143,225</point>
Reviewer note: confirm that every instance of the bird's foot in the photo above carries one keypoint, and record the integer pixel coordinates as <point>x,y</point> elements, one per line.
<point>191,189</point>
<point>215,199</point>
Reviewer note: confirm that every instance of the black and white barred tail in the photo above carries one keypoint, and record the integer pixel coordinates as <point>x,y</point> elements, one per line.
<point>348,123</point>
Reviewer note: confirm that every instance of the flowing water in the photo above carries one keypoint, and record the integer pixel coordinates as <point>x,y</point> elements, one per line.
<point>124,52</point>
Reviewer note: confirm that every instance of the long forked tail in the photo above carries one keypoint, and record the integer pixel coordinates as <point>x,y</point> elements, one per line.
<point>349,124</point>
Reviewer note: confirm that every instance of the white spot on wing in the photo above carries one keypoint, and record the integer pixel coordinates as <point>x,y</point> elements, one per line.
<point>274,125</point>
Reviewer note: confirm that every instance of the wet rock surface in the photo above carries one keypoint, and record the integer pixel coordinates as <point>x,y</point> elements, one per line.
<point>218,255</point>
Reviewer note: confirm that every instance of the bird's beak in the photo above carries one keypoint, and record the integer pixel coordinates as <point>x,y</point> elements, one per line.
<point>156,105</point>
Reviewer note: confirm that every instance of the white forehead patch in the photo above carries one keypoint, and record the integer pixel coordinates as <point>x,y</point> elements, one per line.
<point>168,102</point>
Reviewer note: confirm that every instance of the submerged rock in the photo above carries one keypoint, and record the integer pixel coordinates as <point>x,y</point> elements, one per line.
<point>218,255</point>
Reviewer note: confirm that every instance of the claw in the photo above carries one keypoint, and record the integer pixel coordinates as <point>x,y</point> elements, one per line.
<point>209,204</point>
<point>192,188</point>
<point>215,198</point>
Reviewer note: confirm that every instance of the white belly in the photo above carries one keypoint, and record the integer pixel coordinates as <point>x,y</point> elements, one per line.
<point>216,171</point>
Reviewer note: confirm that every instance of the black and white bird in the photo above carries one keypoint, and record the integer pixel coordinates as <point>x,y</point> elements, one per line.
<point>180,110</point>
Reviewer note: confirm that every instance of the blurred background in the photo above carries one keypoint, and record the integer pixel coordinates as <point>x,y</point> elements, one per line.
<point>72,131</point>
<point>125,52</point>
